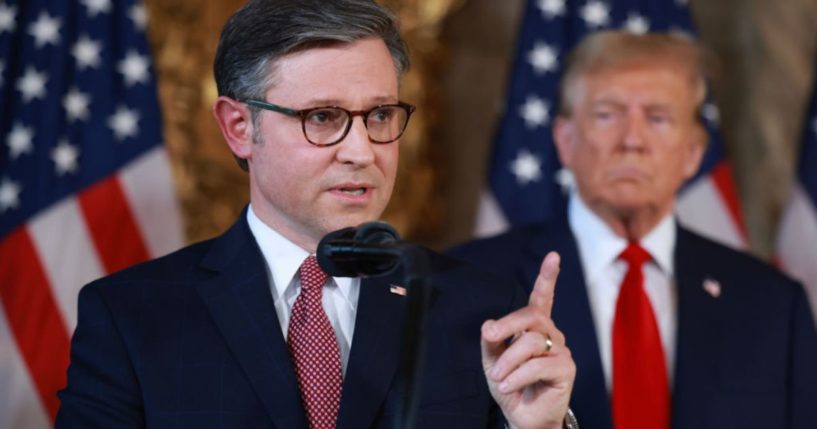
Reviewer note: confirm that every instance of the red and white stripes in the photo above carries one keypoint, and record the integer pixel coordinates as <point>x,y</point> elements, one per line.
<point>710,207</point>
<point>127,218</point>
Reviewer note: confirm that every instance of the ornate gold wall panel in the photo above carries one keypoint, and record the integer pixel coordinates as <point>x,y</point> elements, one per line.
<point>212,189</point>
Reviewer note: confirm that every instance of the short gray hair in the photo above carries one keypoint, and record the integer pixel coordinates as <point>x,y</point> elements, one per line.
<point>262,31</point>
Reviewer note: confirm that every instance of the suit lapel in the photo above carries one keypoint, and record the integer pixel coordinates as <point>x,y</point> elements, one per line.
<point>699,327</point>
<point>240,302</point>
<point>573,316</point>
<point>375,352</point>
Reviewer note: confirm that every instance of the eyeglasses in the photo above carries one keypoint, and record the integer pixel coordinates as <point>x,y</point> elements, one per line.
<point>326,126</point>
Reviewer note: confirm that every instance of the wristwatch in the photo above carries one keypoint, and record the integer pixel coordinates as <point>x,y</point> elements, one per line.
<point>570,420</point>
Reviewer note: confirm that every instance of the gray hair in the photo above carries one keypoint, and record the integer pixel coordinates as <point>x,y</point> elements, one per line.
<point>263,31</point>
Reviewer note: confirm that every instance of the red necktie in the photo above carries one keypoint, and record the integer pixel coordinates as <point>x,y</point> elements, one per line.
<point>313,348</point>
<point>640,388</point>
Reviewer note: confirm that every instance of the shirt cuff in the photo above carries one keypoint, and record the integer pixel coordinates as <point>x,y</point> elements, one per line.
<point>570,421</point>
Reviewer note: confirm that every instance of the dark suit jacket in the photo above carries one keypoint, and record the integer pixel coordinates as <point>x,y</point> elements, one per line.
<point>747,359</point>
<point>191,340</point>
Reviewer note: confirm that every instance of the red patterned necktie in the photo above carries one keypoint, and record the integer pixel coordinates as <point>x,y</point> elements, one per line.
<point>313,348</point>
<point>640,388</point>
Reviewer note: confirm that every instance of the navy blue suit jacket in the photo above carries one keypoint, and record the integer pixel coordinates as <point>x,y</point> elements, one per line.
<point>191,340</point>
<point>747,359</point>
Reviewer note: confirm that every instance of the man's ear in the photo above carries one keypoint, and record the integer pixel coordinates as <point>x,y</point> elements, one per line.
<point>563,136</point>
<point>235,121</point>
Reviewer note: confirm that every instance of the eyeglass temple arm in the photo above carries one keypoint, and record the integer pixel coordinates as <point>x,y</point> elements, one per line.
<point>273,107</point>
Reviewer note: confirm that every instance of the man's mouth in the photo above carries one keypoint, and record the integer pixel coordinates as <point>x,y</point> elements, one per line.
<point>353,191</point>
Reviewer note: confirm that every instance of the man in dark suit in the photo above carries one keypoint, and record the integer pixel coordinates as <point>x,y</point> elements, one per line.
<point>245,330</point>
<point>667,328</point>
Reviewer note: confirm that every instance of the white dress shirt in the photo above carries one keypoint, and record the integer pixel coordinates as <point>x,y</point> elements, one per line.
<point>283,257</point>
<point>599,248</point>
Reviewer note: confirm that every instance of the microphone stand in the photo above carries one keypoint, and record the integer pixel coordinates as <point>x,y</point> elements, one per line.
<point>375,249</point>
<point>412,358</point>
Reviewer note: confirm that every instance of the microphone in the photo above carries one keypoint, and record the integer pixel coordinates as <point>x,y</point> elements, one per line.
<point>375,248</point>
<point>372,248</point>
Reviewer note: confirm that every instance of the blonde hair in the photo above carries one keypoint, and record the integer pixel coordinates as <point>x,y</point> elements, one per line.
<point>608,50</point>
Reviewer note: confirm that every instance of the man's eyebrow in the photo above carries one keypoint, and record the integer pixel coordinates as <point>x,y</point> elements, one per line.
<point>653,106</point>
<point>660,107</point>
<point>607,102</point>
<point>317,102</point>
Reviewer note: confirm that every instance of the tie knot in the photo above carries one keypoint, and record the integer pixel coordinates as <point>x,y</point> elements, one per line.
<point>635,255</point>
<point>312,276</point>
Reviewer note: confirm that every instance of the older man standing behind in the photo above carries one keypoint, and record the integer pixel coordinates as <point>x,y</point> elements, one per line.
<point>667,328</point>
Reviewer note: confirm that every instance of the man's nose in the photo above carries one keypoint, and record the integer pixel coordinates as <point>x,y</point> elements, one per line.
<point>356,148</point>
<point>634,132</point>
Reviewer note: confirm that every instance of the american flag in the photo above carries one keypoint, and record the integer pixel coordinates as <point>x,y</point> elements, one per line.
<point>797,237</point>
<point>527,182</point>
<point>85,185</point>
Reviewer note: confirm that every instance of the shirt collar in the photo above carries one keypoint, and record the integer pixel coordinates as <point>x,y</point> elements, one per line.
<point>660,243</point>
<point>284,258</point>
<point>599,246</point>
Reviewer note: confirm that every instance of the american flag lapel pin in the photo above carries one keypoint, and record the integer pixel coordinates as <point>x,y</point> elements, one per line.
<point>712,287</point>
<point>397,290</point>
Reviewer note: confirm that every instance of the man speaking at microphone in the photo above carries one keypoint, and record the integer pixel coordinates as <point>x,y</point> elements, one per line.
<point>246,330</point>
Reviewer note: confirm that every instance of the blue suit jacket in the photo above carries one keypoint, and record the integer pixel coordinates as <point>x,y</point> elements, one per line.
<point>747,359</point>
<point>192,340</point>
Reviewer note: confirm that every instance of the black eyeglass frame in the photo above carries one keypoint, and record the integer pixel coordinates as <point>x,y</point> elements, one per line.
<point>351,113</point>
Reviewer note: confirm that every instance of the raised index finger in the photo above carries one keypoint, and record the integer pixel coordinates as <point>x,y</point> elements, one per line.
<point>542,294</point>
